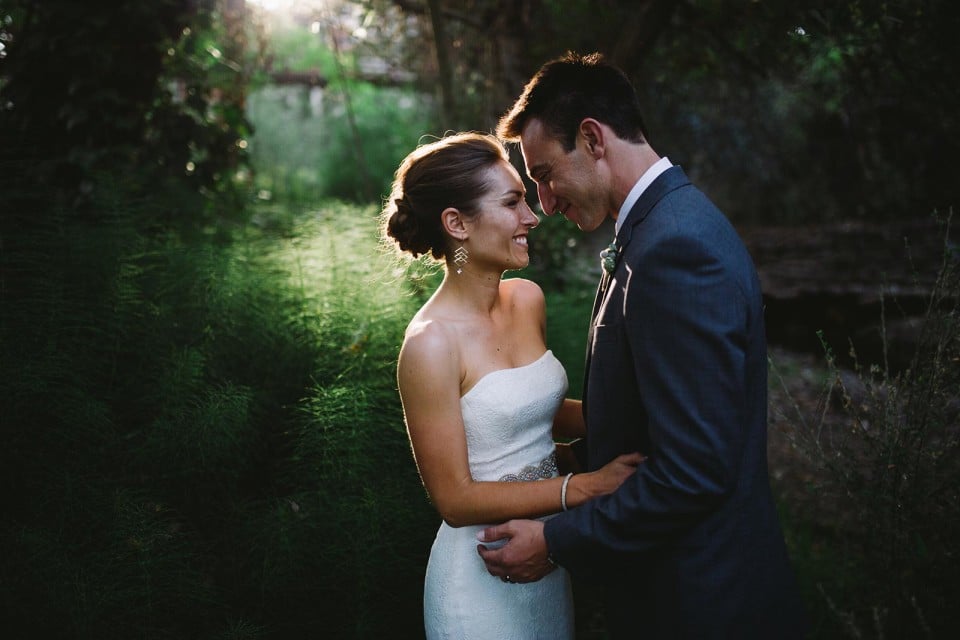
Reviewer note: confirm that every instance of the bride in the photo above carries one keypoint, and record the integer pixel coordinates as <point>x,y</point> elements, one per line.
<point>482,396</point>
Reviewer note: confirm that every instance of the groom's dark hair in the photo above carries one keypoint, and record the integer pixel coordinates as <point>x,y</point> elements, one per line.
<point>573,87</point>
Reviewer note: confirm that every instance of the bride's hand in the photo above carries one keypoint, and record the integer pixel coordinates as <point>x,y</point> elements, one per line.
<point>604,480</point>
<point>617,470</point>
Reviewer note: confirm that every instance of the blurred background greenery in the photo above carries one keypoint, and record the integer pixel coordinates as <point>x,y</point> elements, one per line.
<point>199,324</point>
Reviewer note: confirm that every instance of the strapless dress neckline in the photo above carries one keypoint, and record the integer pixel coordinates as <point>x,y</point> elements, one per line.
<point>506,370</point>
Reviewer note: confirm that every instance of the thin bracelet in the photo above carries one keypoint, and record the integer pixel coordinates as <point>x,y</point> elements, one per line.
<point>563,491</point>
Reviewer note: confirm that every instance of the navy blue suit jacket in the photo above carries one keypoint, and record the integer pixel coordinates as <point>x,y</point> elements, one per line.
<point>690,545</point>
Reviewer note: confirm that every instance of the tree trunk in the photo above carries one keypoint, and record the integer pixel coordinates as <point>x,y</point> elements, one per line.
<point>448,105</point>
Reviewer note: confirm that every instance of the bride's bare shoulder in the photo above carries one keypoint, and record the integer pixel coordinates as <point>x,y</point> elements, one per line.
<point>524,297</point>
<point>428,339</point>
<point>522,290</point>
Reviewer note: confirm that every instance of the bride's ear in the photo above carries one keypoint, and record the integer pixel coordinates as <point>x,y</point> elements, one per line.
<point>452,223</point>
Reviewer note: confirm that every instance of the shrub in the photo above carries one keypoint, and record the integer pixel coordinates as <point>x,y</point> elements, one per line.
<point>885,448</point>
<point>203,436</point>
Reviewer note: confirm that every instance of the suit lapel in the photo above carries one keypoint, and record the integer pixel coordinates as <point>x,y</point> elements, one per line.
<point>597,300</point>
<point>601,294</point>
<point>671,179</point>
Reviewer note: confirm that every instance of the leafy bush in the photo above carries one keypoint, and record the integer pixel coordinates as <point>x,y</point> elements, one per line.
<point>307,146</point>
<point>885,449</point>
<point>343,140</point>
<point>168,108</point>
<point>202,437</point>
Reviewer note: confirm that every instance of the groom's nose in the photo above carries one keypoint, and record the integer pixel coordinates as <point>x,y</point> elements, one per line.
<point>547,201</point>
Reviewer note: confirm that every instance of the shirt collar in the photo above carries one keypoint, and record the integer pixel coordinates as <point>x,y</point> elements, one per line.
<point>645,181</point>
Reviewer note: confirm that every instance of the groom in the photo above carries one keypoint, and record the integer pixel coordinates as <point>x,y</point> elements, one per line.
<point>690,545</point>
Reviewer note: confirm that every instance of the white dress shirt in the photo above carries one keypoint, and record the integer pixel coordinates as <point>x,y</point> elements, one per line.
<point>645,180</point>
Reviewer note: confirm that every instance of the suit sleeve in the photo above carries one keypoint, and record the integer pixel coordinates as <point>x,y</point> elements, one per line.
<point>684,333</point>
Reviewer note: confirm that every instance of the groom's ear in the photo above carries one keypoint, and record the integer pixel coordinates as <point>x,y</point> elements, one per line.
<point>452,223</point>
<point>591,132</point>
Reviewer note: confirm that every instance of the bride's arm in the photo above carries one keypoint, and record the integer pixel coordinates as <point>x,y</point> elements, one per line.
<point>429,374</point>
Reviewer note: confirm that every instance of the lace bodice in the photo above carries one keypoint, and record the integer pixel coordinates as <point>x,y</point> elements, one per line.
<point>508,418</point>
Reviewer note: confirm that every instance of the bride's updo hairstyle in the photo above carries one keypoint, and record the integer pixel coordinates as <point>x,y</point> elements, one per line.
<point>450,172</point>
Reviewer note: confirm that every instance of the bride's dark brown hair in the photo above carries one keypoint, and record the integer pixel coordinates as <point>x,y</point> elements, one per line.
<point>450,172</point>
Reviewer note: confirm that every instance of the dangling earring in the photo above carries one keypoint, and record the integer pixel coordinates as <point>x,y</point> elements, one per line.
<point>460,258</point>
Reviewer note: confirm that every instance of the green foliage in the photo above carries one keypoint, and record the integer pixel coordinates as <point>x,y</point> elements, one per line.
<point>203,437</point>
<point>342,141</point>
<point>295,48</point>
<point>568,318</point>
<point>63,43</point>
<point>784,111</point>
<point>156,89</point>
<point>781,111</point>
<point>809,111</point>
<point>889,463</point>
<point>359,163</point>
<point>307,148</point>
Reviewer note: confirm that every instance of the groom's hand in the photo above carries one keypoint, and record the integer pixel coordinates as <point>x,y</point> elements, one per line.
<point>523,558</point>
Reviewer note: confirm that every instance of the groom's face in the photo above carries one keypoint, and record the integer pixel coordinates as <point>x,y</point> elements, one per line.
<point>566,181</point>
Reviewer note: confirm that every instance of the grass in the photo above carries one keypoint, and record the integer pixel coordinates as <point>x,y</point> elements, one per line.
<point>203,437</point>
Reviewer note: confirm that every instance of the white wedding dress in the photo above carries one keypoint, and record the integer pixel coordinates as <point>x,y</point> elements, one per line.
<point>508,416</point>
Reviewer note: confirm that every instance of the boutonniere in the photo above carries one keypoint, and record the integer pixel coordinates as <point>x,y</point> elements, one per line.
<point>609,257</point>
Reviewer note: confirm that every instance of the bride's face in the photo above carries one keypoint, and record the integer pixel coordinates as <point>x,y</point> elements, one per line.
<point>498,234</point>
